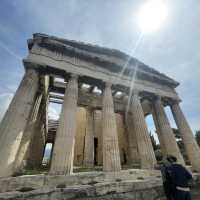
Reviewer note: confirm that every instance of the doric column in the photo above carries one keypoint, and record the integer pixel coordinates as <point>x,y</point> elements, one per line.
<point>15,120</point>
<point>31,128</point>
<point>134,158</point>
<point>111,156</point>
<point>89,139</point>
<point>63,152</point>
<point>37,145</point>
<point>168,137</point>
<point>38,131</point>
<point>187,136</point>
<point>145,148</point>
<point>160,135</point>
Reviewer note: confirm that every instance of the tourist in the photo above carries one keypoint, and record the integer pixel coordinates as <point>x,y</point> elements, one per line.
<point>167,181</point>
<point>179,177</point>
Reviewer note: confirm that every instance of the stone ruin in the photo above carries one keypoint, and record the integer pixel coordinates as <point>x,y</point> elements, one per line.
<point>105,96</point>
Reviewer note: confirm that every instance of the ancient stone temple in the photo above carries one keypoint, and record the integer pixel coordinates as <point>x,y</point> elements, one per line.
<point>104,101</point>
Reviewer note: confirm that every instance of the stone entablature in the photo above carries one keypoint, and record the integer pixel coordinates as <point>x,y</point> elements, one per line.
<point>110,59</point>
<point>89,79</point>
<point>53,61</point>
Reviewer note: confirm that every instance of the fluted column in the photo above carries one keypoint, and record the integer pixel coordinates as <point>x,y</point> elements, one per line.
<point>37,145</point>
<point>134,158</point>
<point>160,135</point>
<point>34,155</point>
<point>89,139</point>
<point>187,136</point>
<point>111,156</point>
<point>63,152</point>
<point>168,137</point>
<point>31,128</point>
<point>145,148</point>
<point>15,120</point>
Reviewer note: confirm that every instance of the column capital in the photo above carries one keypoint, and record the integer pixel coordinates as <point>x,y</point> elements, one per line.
<point>74,76</point>
<point>68,77</point>
<point>30,71</point>
<point>157,98</point>
<point>31,68</point>
<point>169,101</point>
<point>108,85</point>
<point>90,108</point>
<point>172,102</point>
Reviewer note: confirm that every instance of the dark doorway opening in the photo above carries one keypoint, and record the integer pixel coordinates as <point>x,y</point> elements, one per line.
<point>124,156</point>
<point>95,151</point>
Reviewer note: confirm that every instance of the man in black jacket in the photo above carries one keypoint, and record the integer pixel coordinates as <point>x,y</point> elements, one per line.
<point>180,177</point>
<point>168,186</point>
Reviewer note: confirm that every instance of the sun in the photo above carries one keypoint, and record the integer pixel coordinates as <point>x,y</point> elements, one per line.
<point>152,15</point>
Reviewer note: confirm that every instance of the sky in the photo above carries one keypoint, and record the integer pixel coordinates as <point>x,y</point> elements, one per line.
<point>174,49</point>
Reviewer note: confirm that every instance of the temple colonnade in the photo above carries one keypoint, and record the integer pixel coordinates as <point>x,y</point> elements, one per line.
<point>23,130</point>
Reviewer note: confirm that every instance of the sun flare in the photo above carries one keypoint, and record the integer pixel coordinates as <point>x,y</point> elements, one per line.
<point>152,15</point>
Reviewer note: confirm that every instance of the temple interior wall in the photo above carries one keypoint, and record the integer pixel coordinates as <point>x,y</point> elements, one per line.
<point>80,134</point>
